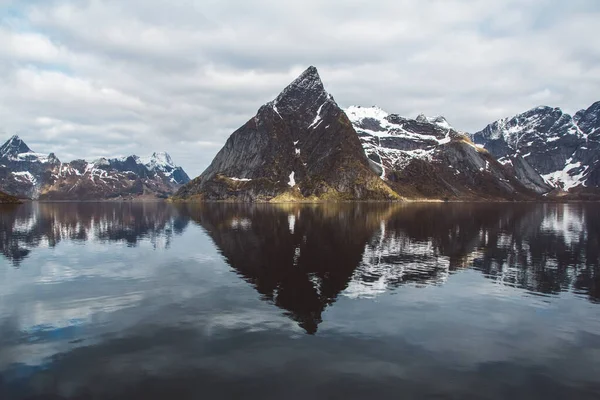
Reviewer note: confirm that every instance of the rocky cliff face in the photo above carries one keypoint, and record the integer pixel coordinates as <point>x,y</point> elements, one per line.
<point>299,146</point>
<point>563,149</point>
<point>427,157</point>
<point>27,174</point>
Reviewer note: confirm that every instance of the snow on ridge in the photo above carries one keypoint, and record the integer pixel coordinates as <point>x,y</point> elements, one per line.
<point>31,157</point>
<point>159,159</point>
<point>440,121</point>
<point>292,181</point>
<point>358,113</point>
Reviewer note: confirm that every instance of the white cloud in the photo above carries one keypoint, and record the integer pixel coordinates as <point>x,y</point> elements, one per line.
<point>99,77</point>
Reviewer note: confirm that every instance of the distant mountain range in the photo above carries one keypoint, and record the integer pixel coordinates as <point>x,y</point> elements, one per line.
<point>303,147</point>
<point>26,174</point>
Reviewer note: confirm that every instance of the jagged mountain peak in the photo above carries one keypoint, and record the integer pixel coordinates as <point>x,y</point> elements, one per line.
<point>161,158</point>
<point>436,120</point>
<point>13,146</point>
<point>299,146</point>
<point>559,147</point>
<point>305,94</point>
<point>588,121</point>
<point>307,80</point>
<point>541,121</point>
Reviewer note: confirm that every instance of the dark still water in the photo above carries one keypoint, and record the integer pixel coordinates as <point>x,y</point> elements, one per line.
<point>156,301</point>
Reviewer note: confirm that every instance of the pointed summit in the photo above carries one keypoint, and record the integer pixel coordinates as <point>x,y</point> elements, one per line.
<point>300,146</point>
<point>305,92</point>
<point>422,118</point>
<point>588,120</point>
<point>308,80</point>
<point>159,159</point>
<point>13,146</point>
<point>437,120</point>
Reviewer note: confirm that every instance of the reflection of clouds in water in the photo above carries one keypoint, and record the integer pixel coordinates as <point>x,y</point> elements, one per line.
<point>48,328</point>
<point>249,320</point>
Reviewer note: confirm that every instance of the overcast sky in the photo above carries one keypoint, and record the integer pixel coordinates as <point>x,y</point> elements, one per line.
<point>90,78</point>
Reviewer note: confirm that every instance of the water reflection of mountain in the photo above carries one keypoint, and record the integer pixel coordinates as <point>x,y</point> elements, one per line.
<point>302,257</point>
<point>23,228</point>
<point>545,249</point>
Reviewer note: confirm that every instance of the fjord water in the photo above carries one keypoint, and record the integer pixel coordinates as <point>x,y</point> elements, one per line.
<point>155,301</point>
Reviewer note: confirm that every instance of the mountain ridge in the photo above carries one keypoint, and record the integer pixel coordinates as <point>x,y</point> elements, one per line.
<point>563,149</point>
<point>302,146</point>
<point>25,173</point>
<point>427,158</point>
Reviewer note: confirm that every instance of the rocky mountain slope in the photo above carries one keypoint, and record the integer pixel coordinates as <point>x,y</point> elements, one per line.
<point>299,146</point>
<point>428,158</point>
<point>8,199</point>
<point>564,150</point>
<point>25,173</point>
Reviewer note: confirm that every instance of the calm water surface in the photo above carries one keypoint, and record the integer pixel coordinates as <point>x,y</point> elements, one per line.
<point>156,301</point>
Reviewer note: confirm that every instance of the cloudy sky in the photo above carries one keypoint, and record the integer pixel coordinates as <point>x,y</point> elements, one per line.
<point>90,78</point>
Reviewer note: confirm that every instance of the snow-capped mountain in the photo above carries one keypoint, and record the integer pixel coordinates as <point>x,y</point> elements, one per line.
<point>564,150</point>
<point>22,171</point>
<point>427,157</point>
<point>25,173</point>
<point>298,146</point>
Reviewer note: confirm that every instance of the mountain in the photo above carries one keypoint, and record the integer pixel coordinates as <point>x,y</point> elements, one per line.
<point>25,173</point>
<point>22,171</point>
<point>564,150</point>
<point>8,199</point>
<point>427,158</point>
<point>300,146</point>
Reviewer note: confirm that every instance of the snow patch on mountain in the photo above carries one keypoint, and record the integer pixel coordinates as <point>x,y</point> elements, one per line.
<point>560,148</point>
<point>571,176</point>
<point>30,174</point>
<point>391,141</point>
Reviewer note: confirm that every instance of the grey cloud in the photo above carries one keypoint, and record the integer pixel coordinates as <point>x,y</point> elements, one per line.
<point>99,77</point>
